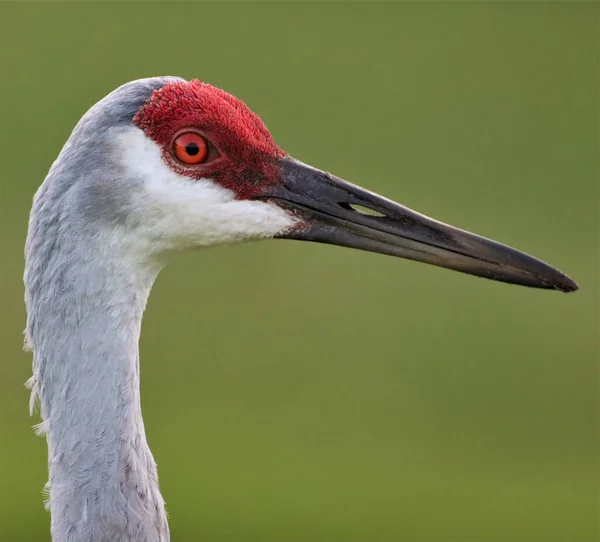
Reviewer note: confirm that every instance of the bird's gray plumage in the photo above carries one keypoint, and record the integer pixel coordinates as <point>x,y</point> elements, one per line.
<point>115,205</point>
<point>85,304</point>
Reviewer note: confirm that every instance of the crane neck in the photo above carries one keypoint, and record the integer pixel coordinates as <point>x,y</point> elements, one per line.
<point>85,309</point>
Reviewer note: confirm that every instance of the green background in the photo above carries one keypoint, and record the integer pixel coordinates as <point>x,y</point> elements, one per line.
<point>300,392</point>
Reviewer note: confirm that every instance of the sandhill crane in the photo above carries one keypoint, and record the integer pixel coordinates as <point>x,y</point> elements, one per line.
<point>160,166</point>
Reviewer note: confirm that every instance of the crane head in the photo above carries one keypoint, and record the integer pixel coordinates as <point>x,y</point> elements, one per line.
<point>195,167</point>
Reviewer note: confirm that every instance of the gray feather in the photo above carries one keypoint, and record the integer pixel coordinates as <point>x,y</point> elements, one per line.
<point>85,306</point>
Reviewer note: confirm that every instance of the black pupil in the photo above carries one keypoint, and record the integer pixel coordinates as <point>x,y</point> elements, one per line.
<point>192,149</point>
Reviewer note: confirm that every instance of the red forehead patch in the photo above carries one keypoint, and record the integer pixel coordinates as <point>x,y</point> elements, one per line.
<point>239,134</point>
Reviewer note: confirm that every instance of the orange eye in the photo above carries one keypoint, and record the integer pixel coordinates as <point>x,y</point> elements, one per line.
<point>191,148</point>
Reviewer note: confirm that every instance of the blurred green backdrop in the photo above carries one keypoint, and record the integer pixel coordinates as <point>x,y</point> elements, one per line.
<point>297,392</point>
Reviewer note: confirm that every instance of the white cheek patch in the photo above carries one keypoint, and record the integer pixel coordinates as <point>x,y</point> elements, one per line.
<point>177,212</point>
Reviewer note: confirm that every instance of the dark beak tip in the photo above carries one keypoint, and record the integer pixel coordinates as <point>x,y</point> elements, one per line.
<point>557,280</point>
<point>566,285</point>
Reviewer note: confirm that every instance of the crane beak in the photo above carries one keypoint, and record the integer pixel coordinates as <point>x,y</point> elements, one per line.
<point>337,212</point>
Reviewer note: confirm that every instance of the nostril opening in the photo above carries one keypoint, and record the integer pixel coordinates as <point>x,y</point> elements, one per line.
<point>361,209</point>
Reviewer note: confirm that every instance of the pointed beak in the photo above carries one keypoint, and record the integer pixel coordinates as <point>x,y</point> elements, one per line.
<point>337,212</point>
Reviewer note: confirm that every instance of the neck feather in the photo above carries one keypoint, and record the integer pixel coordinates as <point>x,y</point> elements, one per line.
<point>84,321</point>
